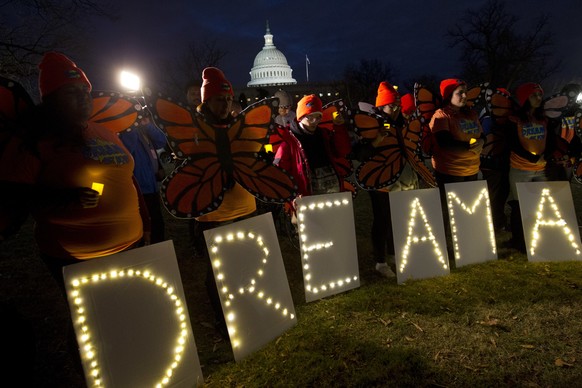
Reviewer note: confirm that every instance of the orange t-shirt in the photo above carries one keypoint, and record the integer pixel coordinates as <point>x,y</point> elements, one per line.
<point>532,136</point>
<point>463,127</point>
<point>237,202</point>
<point>71,231</point>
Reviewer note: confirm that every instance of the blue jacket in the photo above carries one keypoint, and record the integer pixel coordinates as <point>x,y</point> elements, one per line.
<point>142,142</point>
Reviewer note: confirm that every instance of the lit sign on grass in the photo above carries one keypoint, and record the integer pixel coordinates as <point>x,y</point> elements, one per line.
<point>421,245</point>
<point>251,281</point>
<point>131,319</point>
<point>549,221</point>
<point>327,237</point>
<point>471,225</point>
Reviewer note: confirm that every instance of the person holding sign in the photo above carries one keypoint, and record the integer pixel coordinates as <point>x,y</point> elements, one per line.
<point>458,141</point>
<point>529,141</point>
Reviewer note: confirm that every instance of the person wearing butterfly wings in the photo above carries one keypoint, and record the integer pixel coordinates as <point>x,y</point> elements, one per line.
<point>529,140</point>
<point>389,106</point>
<point>458,141</point>
<point>237,204</point>
<point>60,156</point>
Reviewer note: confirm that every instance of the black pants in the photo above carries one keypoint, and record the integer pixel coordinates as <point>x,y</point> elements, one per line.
<point>211,289</point>
<point>443,179</point>
<point>382,238</point>
<point>153,204</point>
<point>498,186</point>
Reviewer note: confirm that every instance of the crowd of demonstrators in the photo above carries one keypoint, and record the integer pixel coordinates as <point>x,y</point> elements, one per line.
<point>143,142</point>
<point>49,167</point>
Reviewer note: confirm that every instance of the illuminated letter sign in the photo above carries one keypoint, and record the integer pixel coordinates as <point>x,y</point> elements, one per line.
<point>251,281</point>
<point>327,237</point>
<point>549,221</point>
<point>131,319</point>
<point>471,225</point>
<point>419,234</point>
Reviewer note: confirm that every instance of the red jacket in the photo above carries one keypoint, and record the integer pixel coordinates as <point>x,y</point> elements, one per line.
<point>291,156</point>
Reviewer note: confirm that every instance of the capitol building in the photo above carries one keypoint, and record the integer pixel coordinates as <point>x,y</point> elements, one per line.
<point>271,72</point>
<point>270,66</point>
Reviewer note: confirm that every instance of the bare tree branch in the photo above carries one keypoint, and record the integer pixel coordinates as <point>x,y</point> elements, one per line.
<point>493,50</point>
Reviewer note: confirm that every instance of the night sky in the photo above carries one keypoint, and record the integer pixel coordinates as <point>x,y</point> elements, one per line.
<point>410,36</point>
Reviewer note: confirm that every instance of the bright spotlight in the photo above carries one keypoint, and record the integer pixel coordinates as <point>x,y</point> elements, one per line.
<point>130,81</point>
<point>579,98</point>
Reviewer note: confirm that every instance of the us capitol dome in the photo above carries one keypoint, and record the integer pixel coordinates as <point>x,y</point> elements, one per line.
<point>270,66</point>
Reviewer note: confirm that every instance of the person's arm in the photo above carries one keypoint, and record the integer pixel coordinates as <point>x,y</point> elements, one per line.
<point>145,215</point>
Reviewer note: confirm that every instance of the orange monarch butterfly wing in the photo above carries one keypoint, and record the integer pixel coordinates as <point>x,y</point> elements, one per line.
<point>476,96</point>
<point>197,186</point>
<point>334,113</point>
<point>577,170</point>
<point>332,110</point>
<point>555,105</point>
<point>247,136</point>
<point>115,111</point>
<point>385,166</point>
<point>194,189</point>
<point>187,135</point>
<point>411,137</point>
<point>426,102</point>
<point>366,124</point>
<point>500,106</point>
<point>578,123</point>
<point>351,187</point>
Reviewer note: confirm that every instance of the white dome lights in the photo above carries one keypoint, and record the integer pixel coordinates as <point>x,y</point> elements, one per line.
<point>270,66</point>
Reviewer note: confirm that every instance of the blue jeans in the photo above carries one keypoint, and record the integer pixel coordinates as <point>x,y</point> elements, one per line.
<point>517,176</point>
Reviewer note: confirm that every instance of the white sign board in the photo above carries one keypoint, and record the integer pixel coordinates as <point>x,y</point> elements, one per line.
<point>419,234</point>
<point>473,236</point>
<point>549,221</point>
<point>131,320</point>
<point>327,236</point>
<point>251,281</point>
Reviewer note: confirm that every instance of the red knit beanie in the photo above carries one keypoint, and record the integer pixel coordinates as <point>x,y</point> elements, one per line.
<point>307,105</point>
<point>214,83</point>
<point>387,94</point>
<point>524,91</point>
<point>408,106</point>
<point>56,70</point>
<point>449,85</point>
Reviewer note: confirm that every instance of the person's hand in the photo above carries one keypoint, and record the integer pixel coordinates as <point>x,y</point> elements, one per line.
<point>378,140</point>
<point>265,156</point>
<point>477,146</point>
<point>88,198</point>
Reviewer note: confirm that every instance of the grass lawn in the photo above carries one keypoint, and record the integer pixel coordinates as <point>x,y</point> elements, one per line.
<point>503,323</point>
